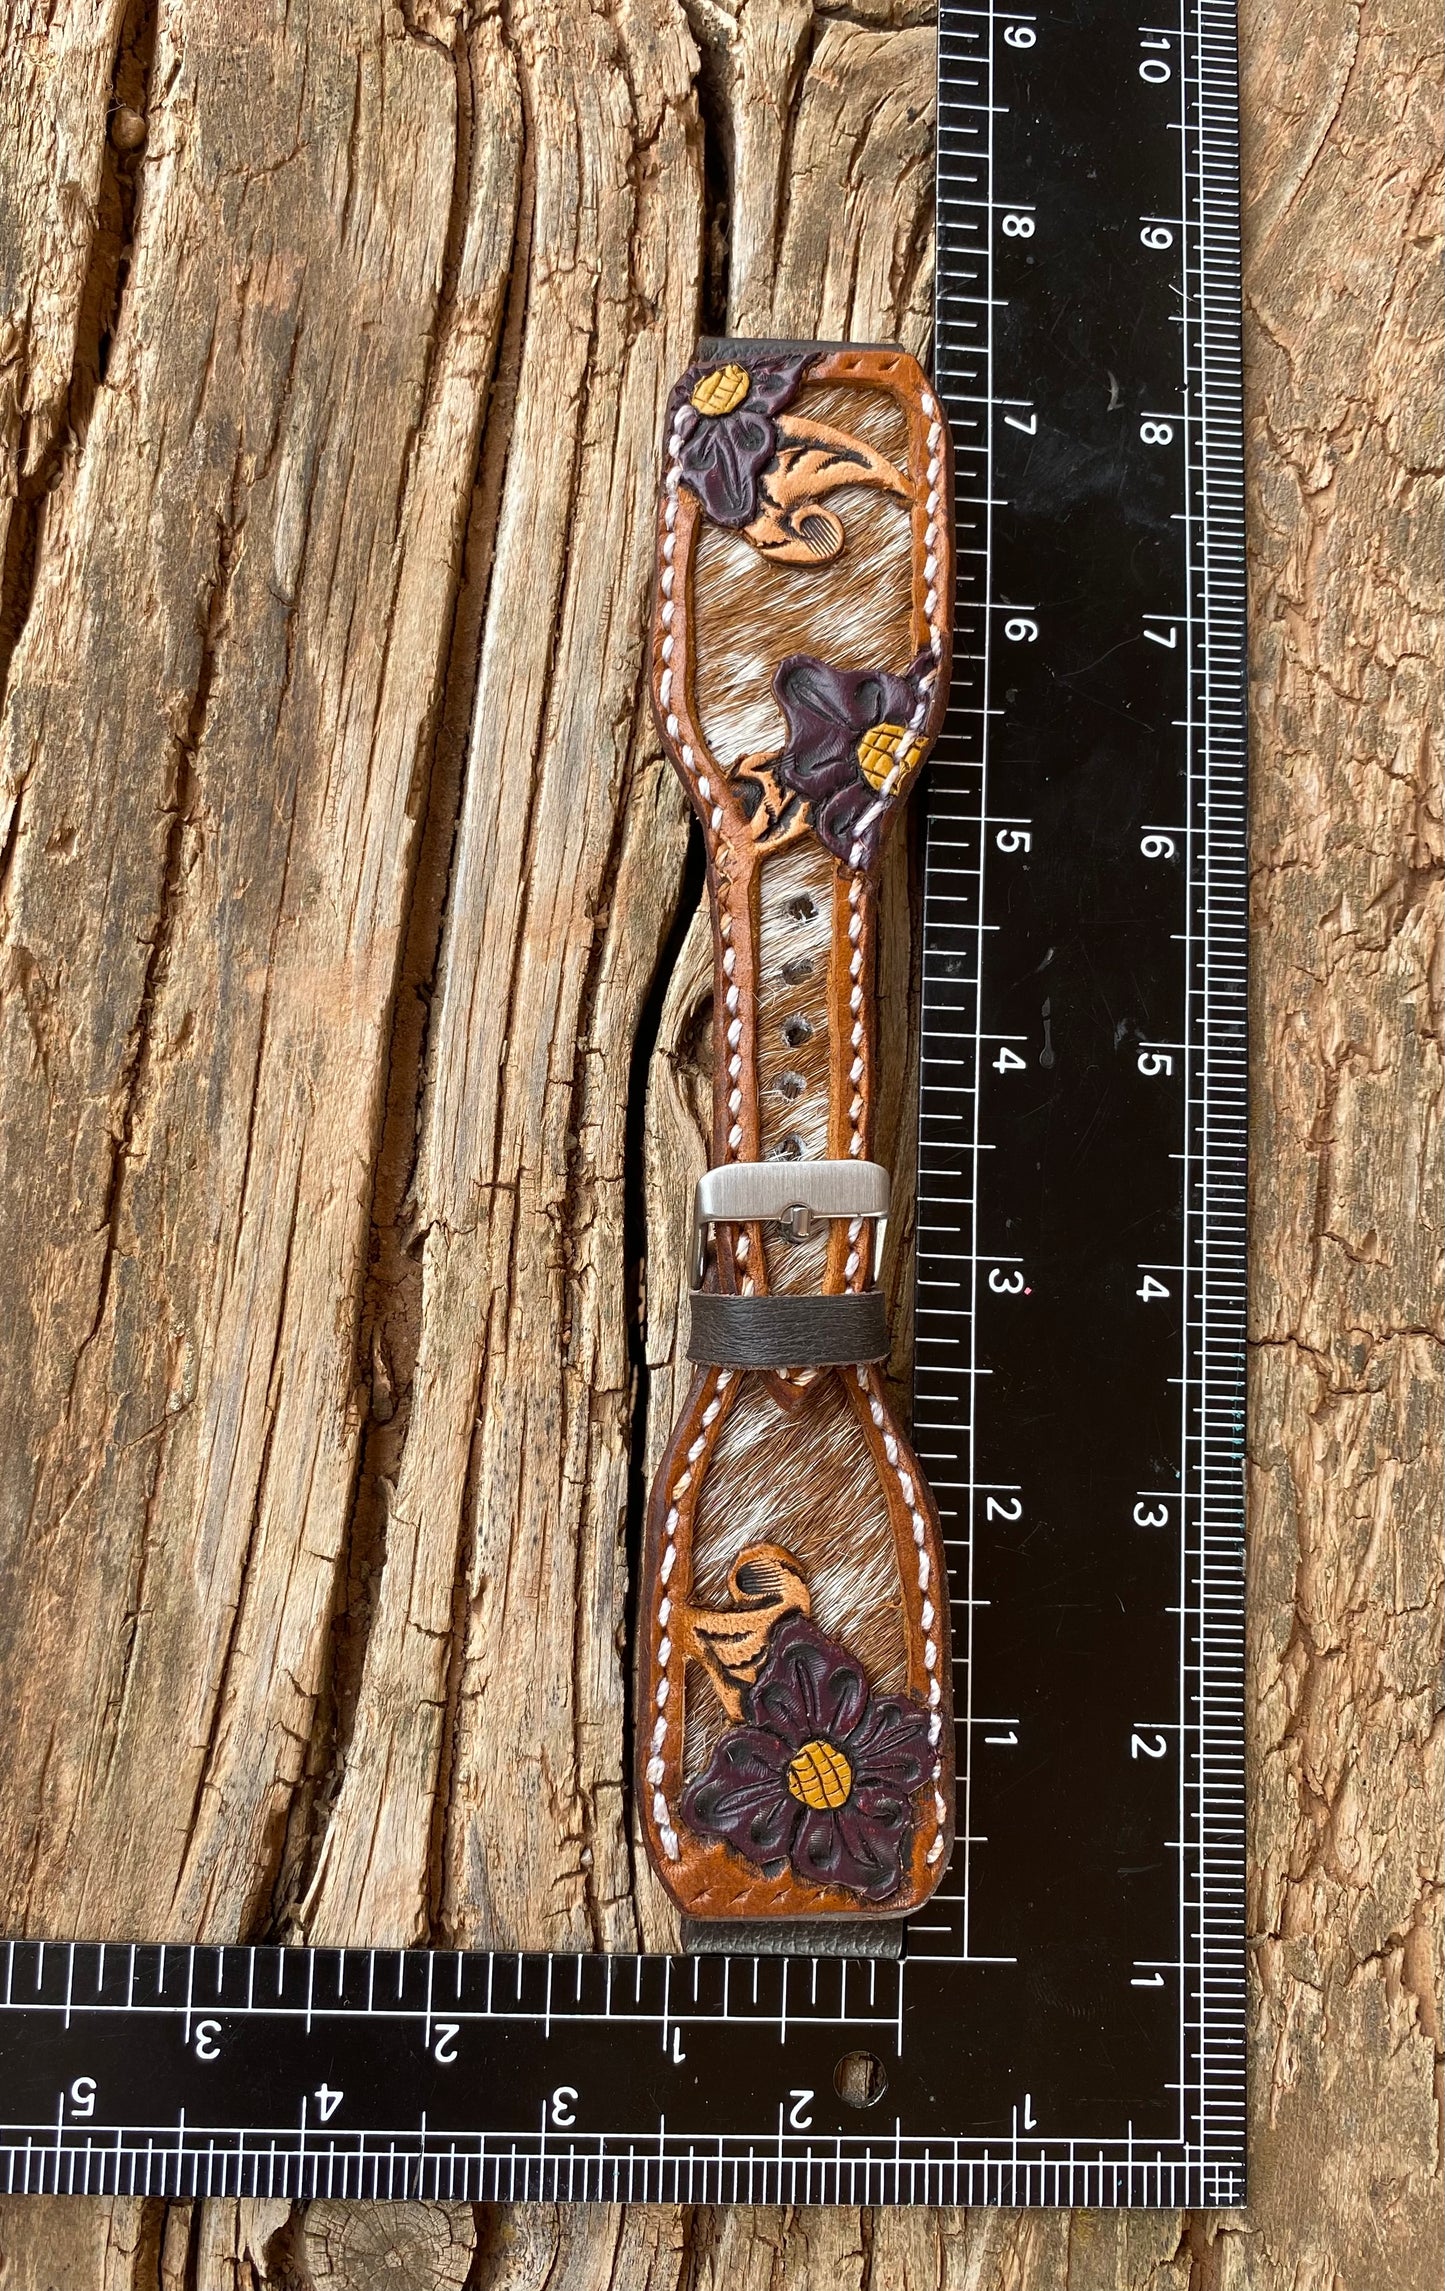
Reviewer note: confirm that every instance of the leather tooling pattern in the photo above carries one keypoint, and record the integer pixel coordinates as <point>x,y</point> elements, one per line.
<point>818,1771</point>
<point>795,1734</point>
<point>755,466</point>
<point>852,748</point>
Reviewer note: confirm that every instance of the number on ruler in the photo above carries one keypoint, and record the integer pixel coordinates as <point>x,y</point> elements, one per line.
<point>1151,1745</point>
<point>559,2108</point>
<point>328,2100</point>
<point>1020,35</point>
<point>800,2115</point>
<point>1006,1284</point>
<point>82,2096</point>
<point>1011,1511</point>
<point>1021,630</point>
<point>1154,69</point>
<point>203,2043</point>
<point>1155,844</point>
<point>1028,423</point>
<point>1147,1981</point>
<point>1008,1062</point>
<point>1154,430</point>
<point>1156,235</point>
<point>1151,1291</point>
<point>1017,225</point>
<point>1152,1062</point>
<point>1158,636</point>
<point>1146,1516</point>
<point>444,2047</point>
<point>1014,839</point>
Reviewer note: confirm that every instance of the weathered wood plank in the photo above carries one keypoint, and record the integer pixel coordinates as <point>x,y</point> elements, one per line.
<point>217,731</point>
<point>63,202</point>
<point>344,881</point>
<point>1343,338</point>
<point>498,1622</point>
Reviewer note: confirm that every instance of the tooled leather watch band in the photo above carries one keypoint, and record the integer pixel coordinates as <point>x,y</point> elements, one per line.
<point>795,1736</point>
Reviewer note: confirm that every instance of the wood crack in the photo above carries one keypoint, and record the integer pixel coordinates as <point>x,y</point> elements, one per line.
<point>715,119</point>
<point>391,1308</point>
<point>692,891</point>
<point>51,434</point>
<point>220,1697</point>
<point>179,809</point>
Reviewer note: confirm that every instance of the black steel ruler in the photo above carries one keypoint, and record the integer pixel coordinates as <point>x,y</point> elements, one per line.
<point>1081,1207</point>
<point>1066,2025</point>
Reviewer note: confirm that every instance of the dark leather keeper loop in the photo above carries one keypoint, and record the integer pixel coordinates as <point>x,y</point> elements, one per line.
<point>787,1332</point>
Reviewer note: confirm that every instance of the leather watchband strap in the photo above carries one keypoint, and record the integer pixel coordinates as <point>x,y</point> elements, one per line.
<point>795,1737</point>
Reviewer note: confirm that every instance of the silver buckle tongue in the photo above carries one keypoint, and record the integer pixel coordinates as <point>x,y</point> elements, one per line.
<point>792,1194</point>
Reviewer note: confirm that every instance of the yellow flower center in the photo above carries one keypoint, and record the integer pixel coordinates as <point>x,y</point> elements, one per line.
<point>885,751</point>
<point>820,1776</point>
<point>722,389</point>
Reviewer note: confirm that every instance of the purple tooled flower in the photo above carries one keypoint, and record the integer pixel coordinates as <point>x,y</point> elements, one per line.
<point>852,746</point>
<point>723,431</point>
<point>821,1772</point>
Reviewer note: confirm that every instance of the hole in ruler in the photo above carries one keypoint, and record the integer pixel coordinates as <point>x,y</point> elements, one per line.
<point>860,2079</point>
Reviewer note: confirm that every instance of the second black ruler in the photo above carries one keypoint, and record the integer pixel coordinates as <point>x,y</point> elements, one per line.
<point>1081,1265</point>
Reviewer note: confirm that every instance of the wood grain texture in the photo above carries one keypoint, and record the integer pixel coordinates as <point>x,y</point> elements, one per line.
<point>356,1033</point>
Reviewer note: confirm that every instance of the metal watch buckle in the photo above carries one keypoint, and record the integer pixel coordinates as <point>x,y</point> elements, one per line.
<point>792,1194</point>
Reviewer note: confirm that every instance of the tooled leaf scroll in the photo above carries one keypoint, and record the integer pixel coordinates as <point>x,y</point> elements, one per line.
<point>761,468</point>
<point>763,471</point>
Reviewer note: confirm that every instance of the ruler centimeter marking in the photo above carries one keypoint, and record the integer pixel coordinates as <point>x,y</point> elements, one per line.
<point>1100,705</point>
<point>1067,2024</point>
